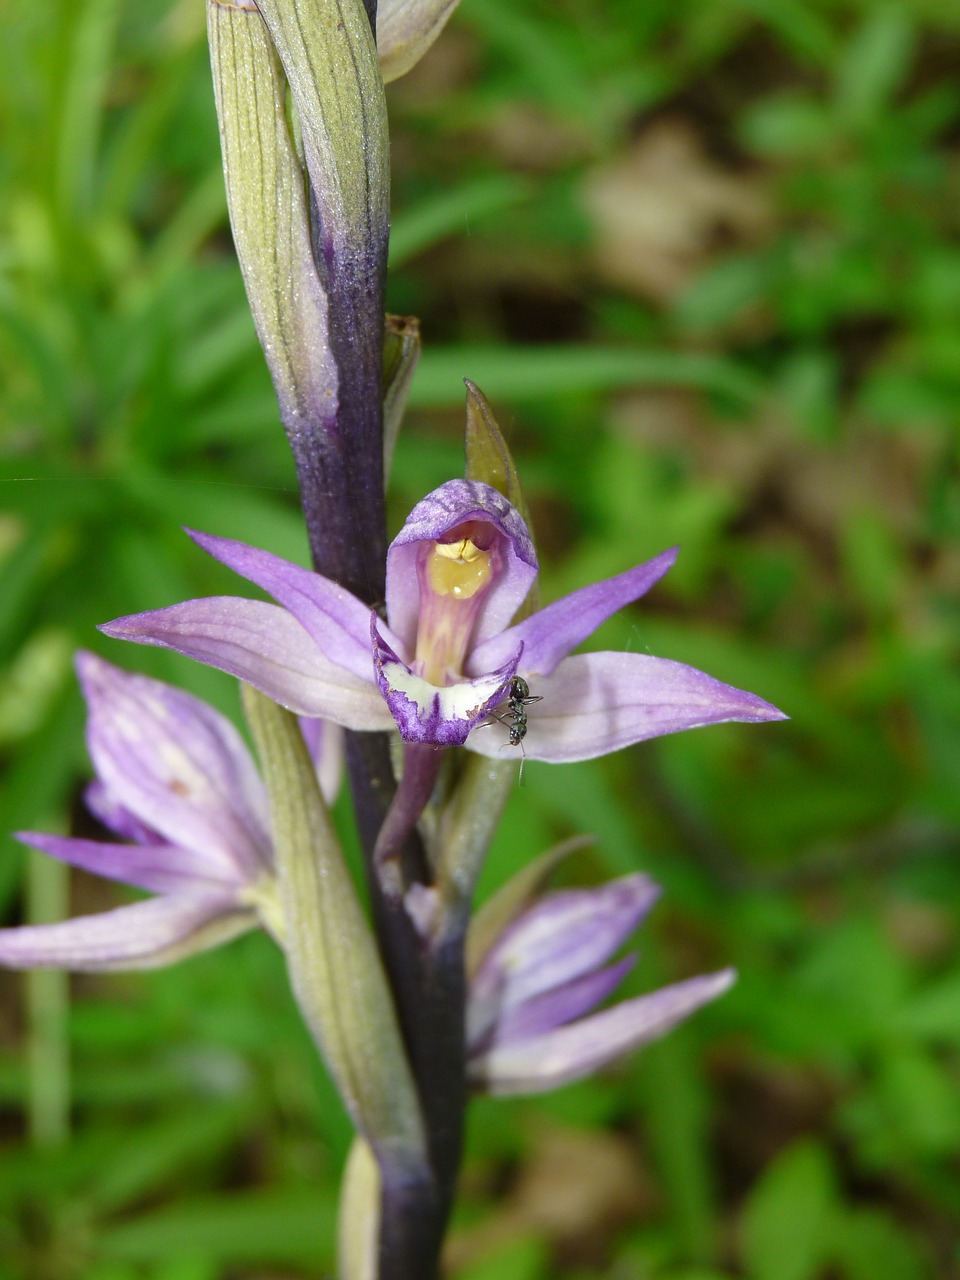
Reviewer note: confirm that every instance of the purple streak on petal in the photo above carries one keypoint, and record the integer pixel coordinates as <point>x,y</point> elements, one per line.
<point>140,936</point>
<point>553,632</point>
<point>424,712</point>
<point>558,1007</point>
<point>440,511</point>
<point>595,703</point>
<point>336,620</point>
<point>160,868</point>
<point>324,741</point>
<point>562,937</point>
<point>571,1052</point>
<point>179,766</point>
<point>265,646</point>
<point>108,810</point>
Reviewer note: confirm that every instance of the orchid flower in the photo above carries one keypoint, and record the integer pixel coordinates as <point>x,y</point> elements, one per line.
<point>443,663</point>
<point>177,784</point>
<point>530,1025</point>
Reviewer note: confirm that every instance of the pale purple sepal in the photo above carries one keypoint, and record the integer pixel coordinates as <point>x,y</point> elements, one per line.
<point>442,716</point>
<point>108,810</point>
<point>453,504</point>
<point>595,703</point>
<point>560,1006</point>
<point>159,868</point>
<point>570,1052</point>
<point>267,647</point>
<point>551,633</point>
<point>140,936</point>
<point>555,942</point>
<point>324,741</point>
<point>179,766</point>
<point>336,620</point>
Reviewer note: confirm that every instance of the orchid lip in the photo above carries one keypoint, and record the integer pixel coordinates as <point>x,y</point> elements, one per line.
<point>440,715</point>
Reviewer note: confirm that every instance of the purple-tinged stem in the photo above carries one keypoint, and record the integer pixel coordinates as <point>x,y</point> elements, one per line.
<point>339,460</point>
<point>429,986</point>
<point>421,766</point>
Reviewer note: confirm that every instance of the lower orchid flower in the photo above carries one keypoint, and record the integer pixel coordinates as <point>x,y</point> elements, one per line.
<point>443,664</point>
<point>177,784</point>
<point>531,1020</point>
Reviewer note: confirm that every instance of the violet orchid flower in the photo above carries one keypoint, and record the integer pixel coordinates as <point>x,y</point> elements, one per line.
<point>442,664</point>
<point>177,784</point>
<point>530,1019</point>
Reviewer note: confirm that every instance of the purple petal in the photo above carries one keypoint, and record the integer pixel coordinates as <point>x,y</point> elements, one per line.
<point>336,620</point>
<point>325,743</point>
<point>551,633</point>
<point>452,504</point>
<point>558,1007</point>
<point>143,935</point>
<point>568,1053</point>
<point>265,646</point>
<point>595,703</point>
<point>108,810</point>
<point>561,938</point>
<point>178,766</point>
<point>160,868</point>
<point>439,715</point>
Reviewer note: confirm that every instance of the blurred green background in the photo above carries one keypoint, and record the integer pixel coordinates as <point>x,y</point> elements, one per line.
<point>702,255</point>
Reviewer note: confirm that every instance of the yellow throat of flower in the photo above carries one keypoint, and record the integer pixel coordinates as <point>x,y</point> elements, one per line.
<point>459,569</point>
<point>455,577</point>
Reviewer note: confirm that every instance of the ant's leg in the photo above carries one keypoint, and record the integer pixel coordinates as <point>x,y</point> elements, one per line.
<point>497,719</point>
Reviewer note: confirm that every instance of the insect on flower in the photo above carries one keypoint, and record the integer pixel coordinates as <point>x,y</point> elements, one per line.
<point>515,716</point>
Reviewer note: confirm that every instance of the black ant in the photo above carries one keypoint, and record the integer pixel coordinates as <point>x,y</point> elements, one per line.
<point>515,716</point>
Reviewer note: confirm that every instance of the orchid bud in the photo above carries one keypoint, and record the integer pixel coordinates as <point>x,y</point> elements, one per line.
<point>269,215</point>
<point>308,191</point>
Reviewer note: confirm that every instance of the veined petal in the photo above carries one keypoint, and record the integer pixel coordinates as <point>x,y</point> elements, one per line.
<point>429,713</point>
<point>143,935</point>
<point>265,646</point>
<point>160,868</point>
<point>453,504</point>
<point>551,633</point>
<point>570,1052</point>
<point>179,766</point>
<point>405,31</point>
<point>558,1007</point>
<point>116,817</point>
<point>336,620</point>
<point>562,937</point>
<point>595,703</point>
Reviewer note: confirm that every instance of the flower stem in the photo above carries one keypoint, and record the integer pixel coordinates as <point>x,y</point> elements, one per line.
<point>429,987</point>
